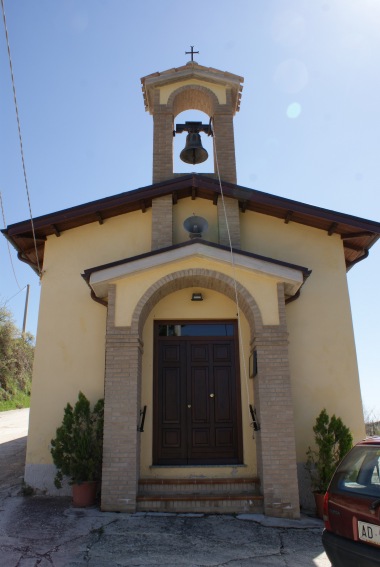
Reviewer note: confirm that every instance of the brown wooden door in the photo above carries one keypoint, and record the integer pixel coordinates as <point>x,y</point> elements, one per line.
<point>197,415</point>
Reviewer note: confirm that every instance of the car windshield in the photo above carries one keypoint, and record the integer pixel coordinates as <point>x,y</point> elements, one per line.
<point>359,472</point>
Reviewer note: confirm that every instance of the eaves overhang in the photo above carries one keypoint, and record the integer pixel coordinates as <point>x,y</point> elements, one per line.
<point>358,234</point>
<point>99,277</point>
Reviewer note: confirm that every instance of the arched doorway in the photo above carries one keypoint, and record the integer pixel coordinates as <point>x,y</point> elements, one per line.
<point>123,378</point>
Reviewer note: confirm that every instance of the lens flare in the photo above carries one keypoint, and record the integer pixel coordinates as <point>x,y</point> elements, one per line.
<point>294,110</point>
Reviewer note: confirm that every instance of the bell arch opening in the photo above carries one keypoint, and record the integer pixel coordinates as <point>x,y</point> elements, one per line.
<point>179,143</point>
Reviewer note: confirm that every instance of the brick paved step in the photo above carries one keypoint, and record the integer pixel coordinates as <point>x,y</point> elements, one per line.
<point>200,495</point>
<point>209,504</point>
<point>200,485</point>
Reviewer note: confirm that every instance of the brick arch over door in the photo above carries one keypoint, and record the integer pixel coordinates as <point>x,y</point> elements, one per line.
<point>198,277</point>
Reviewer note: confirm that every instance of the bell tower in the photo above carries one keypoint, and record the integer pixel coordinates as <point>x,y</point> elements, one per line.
<point>193,87</point>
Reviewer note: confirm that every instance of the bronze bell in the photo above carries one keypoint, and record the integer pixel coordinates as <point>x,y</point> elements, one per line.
<point>193,152</point>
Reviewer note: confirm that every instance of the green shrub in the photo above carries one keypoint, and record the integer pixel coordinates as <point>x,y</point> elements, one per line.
<point>16,361</point>
<point>77,449</point>
<point>333,440</point>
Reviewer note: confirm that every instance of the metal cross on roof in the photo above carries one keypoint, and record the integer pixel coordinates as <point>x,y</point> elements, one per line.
<point>192,52</point>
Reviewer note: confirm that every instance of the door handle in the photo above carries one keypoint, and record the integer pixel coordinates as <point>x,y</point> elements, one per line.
<point>189,406</point>
<point>212,395</point>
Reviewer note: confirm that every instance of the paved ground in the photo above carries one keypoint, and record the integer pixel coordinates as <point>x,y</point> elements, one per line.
<point>39,531</point>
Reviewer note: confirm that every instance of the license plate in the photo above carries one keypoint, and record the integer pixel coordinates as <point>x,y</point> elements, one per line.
<point>369,533</point>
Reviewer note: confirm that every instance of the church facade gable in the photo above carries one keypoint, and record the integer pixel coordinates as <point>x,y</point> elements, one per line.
<point>140,286</point>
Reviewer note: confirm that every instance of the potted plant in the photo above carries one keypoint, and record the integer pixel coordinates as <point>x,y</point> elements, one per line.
<point>333,440</point>
<point>77,449</point>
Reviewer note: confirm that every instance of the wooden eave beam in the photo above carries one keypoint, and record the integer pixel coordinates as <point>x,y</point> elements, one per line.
<point>32,263</point>
<point>349,235</point>
<point>31,250</point>
<point>55,230</point>
<point>28,256</point>
<point>99,217</point>
<point>333,228</point>
<point>39,238</point>
<point>353,247</point>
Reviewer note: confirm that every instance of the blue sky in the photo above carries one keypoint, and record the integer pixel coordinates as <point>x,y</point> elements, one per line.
<point>308,129</point>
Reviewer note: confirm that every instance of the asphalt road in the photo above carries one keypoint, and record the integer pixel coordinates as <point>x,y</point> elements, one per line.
<point>13,435</point>
<point>40,531</point>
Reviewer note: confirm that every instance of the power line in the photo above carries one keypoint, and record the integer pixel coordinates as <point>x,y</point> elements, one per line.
<point>10,298</point>
<point>9,250</point>
<point>233,272</point>
<point>20,136</point>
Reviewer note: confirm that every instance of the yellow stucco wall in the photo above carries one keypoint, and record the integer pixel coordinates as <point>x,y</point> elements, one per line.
<point>70,347</point>
<point>132,287</point>
<point>321,341</point>
<point>71,331</point>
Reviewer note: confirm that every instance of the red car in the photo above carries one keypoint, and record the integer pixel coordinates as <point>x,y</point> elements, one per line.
<point>351,537</point>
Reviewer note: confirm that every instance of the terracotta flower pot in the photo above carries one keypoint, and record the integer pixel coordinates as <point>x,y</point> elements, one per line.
<point>319,499</point>
<point>84,494</point>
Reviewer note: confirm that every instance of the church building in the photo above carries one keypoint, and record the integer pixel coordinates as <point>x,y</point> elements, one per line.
<point>214,319</point>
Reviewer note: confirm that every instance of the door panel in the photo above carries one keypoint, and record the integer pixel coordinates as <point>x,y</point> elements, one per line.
<point>222,353</point>
<point>170,437</point>
<point>171,353</point>
<point>224,437</point>
<point>201,438</point>
<point>199,395</point>
<point>223,395</point>
<point>196,415</point>
<point>171,396</point>
<point>199,353</point>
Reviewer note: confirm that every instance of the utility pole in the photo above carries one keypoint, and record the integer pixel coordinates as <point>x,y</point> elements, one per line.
<point>25,310</point>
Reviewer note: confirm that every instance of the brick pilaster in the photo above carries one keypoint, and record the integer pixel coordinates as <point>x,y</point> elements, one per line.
<point>224,144</point>
<point>276,451</point>
<point>121,443</point>
<point>163,146</point>
<point>233,218</point>
<point>162,222</point>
